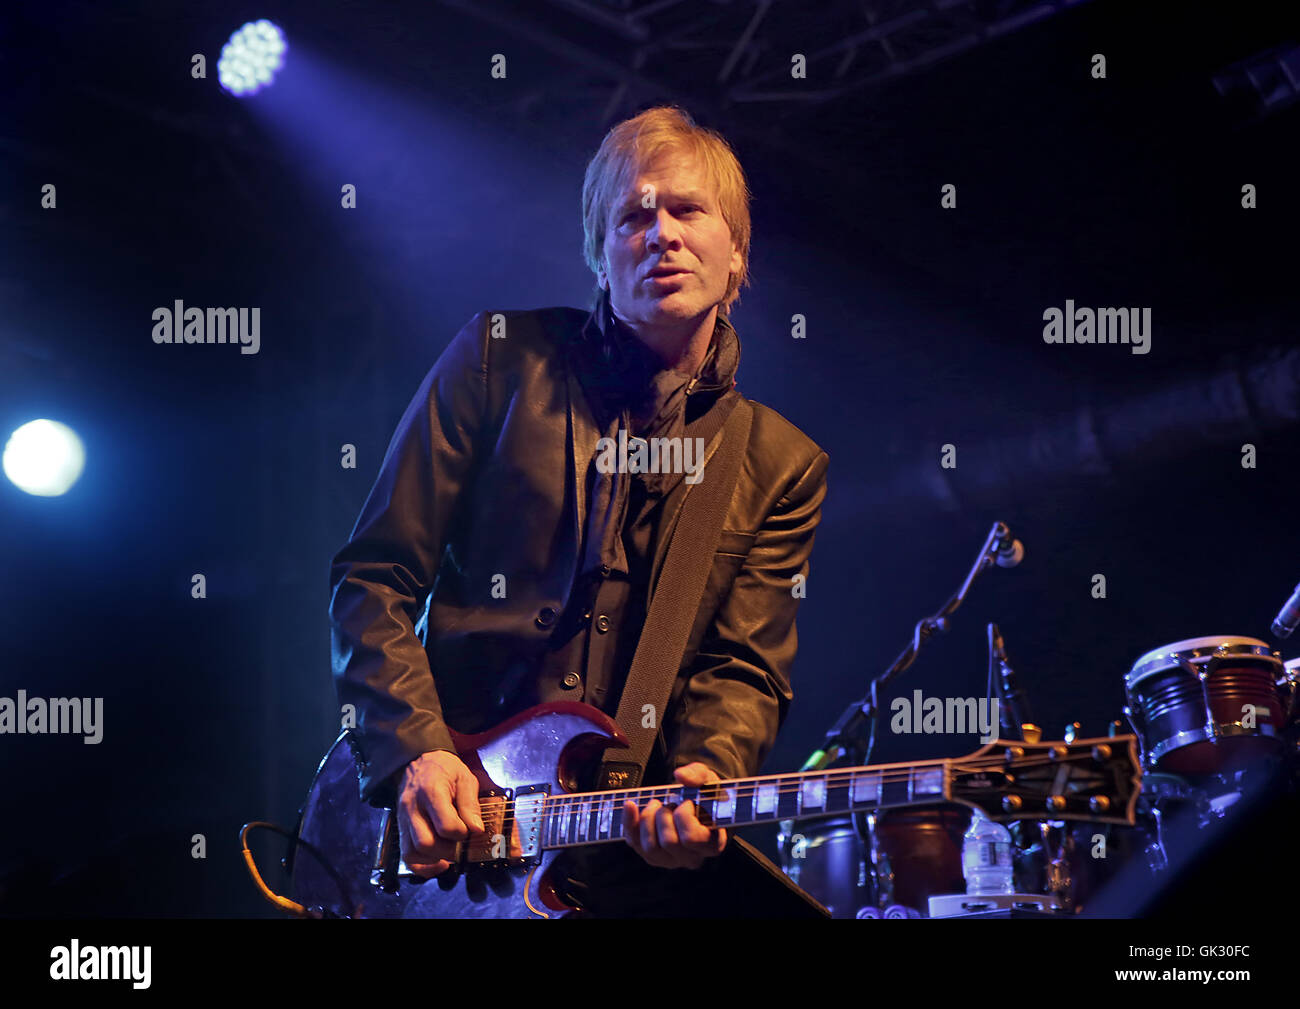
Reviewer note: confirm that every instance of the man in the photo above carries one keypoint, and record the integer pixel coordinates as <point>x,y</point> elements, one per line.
<point>537,558</point>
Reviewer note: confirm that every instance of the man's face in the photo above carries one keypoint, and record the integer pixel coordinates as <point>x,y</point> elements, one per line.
<point>670,262</point>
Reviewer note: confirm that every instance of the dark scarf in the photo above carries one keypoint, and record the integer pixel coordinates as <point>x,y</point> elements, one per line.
<point>628,387</point>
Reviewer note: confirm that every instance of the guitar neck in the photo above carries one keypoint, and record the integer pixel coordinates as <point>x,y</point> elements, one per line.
<point>581,818</point>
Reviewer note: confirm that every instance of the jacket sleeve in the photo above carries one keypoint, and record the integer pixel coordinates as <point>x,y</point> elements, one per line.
<point>737,688</point>
<point>381,578</point>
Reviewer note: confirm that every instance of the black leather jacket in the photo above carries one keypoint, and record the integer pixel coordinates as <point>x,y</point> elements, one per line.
<point>485,476</point>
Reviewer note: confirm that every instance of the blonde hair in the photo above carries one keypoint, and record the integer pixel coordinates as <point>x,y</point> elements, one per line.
<point>636,143</point>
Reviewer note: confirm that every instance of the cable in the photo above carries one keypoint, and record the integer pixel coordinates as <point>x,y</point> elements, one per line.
<point>283,903</point>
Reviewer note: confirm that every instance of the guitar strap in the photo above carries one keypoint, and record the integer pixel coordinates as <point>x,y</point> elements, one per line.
<point>676,596</point>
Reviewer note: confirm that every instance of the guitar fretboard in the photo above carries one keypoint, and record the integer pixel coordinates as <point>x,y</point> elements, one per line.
<point>592,817</point>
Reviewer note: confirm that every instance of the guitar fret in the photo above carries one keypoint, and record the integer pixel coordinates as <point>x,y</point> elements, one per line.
<point>927,781</point>
<point>591,816</point>
<point>837,795</point>
<point>787,804</point>
<point>897,791</point>
<point>744,803</point>
<point>812,795</point>
<point>724,806</point>
<point>866,788</point>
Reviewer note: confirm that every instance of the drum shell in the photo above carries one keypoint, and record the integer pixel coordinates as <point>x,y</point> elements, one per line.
<point>827,858</point>
<point>1190,707</point>
<point>916,854</point>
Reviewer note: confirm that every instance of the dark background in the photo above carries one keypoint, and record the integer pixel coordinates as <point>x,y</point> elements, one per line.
<point>924,328</point>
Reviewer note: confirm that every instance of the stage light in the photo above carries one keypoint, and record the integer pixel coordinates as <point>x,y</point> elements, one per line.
<point>250,59</point>
<point>44,457</point>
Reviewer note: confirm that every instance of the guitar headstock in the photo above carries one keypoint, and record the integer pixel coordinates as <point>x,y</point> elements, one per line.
<point>1087,779</point>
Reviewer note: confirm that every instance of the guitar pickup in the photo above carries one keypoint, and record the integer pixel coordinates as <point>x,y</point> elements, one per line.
<point>529,816</point>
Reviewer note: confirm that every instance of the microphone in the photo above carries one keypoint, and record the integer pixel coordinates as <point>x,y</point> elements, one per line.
<point>1010,550</point>
<point>1288,619</point>
<point>1016,711</point>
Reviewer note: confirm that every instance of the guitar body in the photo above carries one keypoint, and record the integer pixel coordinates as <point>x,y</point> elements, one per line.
<point>547,747</point>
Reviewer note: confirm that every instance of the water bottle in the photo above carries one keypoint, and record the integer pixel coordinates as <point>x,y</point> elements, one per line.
<point>986,857</point>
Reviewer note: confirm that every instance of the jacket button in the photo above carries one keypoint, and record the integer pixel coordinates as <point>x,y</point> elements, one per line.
<point>602,623</point>
<point>546,617</point>
<point>605,570</point>
<point>570,681</point>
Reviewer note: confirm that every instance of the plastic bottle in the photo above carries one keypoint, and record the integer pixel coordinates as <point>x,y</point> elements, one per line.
<point>986,857</point>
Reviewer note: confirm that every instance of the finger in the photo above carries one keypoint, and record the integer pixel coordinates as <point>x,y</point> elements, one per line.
<point>647,829</point>
<point>631,826</point>
<point>423,861</point>
<point>690,831</point>
<point>695,774</point>
<point>414,827</point>
<point>467,804</point>
<point>436,803</point>
<point>425,852</point>
<point>666,827</point>
<point>429,869</point>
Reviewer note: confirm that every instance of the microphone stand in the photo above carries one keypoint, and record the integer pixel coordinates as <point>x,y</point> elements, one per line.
<point>844,738</point>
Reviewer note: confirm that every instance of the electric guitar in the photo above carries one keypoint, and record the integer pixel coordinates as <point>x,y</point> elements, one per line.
<point>346,862</point>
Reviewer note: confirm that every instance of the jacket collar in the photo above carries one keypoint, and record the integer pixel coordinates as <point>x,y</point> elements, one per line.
<point>610,358</point>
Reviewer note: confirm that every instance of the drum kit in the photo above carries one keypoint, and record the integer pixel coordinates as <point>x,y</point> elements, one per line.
<point>1216,717</point>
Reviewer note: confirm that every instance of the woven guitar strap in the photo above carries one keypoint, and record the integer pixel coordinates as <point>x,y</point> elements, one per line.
<point>676,597</point>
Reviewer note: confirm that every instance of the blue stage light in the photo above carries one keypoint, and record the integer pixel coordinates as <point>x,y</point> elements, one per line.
<point>44,457</point>
<point>250,60</point>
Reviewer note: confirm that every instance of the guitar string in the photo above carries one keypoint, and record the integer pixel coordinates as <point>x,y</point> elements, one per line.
<point>567,804</point>
<point>556,810</point>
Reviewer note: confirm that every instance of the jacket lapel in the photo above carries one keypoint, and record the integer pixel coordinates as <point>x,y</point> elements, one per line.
<point>584,436</point>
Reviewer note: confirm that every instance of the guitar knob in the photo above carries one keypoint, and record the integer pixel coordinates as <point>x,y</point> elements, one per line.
<point>1099,803</point>
<point>1012,803</point>
<point>1031,733</point>
<point>1056,803</point>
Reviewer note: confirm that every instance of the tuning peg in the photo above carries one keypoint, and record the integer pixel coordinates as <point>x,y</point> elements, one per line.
<point>1116,728</point>
<point>1056,803</point>
<point>1058,752</point>
<point>1012,803</point>
<point>1031,733</point>
<point>1072,732</point>
<point>1101,753</point>
<point>1099,803</point>
<point>1014,753</point>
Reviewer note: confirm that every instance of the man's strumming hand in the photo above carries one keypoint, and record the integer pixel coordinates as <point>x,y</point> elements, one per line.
<point>437,807</point>
<point>674,838</point>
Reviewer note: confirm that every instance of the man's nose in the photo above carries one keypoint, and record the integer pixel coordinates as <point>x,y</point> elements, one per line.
<point>664,231</point>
